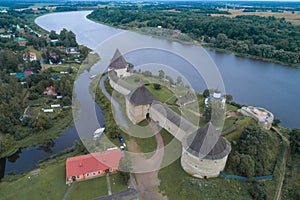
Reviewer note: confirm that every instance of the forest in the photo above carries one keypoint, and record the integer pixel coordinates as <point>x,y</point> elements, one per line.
<point>266,38</point>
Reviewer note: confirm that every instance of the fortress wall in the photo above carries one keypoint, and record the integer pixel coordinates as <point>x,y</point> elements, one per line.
<point>172,128</point>
<point>119,88</point>
<point>201,168</point>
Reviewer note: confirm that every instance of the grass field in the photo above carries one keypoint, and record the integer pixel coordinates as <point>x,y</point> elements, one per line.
<point>241,124</point>
<point>289,16</point>
<point>94,188</point>
<point>50,184</point>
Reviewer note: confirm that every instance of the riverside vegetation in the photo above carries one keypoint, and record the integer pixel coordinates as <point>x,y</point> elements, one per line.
<point>265,38</point>
<point>22,120</point>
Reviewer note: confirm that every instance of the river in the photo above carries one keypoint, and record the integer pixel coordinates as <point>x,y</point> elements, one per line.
<point>251,82</point>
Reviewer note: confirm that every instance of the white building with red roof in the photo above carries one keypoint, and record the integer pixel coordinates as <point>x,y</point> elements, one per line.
<point>32,56</point>
<point>92,165</point>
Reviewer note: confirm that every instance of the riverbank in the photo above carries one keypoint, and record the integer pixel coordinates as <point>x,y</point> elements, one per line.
<point>193,42</point>
<point>230,41</point>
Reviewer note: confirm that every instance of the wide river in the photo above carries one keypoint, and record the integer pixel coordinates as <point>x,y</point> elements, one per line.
<point>251,82</point>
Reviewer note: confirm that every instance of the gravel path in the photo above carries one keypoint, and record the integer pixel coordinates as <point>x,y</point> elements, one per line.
<point>147,178</point>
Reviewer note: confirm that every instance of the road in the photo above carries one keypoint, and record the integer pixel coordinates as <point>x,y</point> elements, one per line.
<point>283,164</point>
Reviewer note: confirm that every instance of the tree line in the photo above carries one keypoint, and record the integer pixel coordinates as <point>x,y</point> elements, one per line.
<point>262,37</point>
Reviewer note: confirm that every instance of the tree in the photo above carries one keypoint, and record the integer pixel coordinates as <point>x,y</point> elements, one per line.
<point>42,122</point>
<point>246,167</point>
<point>66,100</point>
<point>147,73</point>
<point>258,192</point>
<point>170,79</point>
<point>206,93</point>
<point>179,80</point>
<point>295,141</point>
<point>234,161</point>
<point>156,86</point>
<point>53,35</point>
<point>276,122</point>
<point>161,74</point>
<point>228,97</point>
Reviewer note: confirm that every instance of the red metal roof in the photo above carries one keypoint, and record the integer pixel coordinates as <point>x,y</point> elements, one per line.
<point>93,162</point>
<point>32,54</point>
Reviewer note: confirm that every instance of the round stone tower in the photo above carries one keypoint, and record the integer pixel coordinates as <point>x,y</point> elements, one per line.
<point>205,152</point>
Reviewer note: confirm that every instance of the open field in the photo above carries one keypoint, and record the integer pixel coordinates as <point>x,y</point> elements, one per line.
<point>50,184</point>
<point>289,16</point>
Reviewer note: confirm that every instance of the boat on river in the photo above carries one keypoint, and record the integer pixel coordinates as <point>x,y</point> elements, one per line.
<point>98,132</point>
<point>93,76</point>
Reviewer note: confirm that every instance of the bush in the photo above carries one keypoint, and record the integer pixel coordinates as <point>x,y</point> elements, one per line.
<point>33,96</point>
<point>258,192</point>
<point>156,86</point>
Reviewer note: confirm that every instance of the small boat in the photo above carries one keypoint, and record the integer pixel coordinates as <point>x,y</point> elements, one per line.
<point>98,132</point>
<point>93,76</point>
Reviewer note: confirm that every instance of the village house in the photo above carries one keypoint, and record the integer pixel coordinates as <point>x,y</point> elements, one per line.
<point>72,50</point>
<point>21,41</point>
<point>50,91</point>
<point>32,56</point>
<point>119,65</point>
<point>92,165</point>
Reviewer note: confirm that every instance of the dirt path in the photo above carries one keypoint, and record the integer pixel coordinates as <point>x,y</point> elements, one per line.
<point>68,191</point>
<point>146,170</point>
<point>284,159</point>
<point>282,175</point>
<point>26,97</point>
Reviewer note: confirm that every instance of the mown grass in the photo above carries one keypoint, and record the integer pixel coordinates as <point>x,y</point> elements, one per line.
<point>89,189</point>
<point>229,122</point>
<point>49,184</point>
<point>177,184</point>
<point>240,125</point>
<point>163,94</point>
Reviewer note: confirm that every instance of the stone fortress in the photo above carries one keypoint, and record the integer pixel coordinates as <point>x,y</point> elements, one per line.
<point>204,150</point>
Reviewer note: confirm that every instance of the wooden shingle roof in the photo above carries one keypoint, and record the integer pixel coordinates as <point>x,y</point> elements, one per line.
<point>207,143</point>
<point>141,96</point>
<point>118,61</point>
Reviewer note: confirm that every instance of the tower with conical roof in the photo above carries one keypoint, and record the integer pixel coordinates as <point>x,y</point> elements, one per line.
<point>205,152</point>
<point>118,64</point>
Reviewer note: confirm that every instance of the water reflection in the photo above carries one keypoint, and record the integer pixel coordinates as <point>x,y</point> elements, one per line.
<point>2,167</point>
<point>47,147</point>
<point>13,158</point>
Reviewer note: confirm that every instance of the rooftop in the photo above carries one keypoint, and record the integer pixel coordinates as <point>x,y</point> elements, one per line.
<point>207,143</point>
<point>141,96</point>
<point>172,116</point>
<point>118,61</point>
<point>93,162</point>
